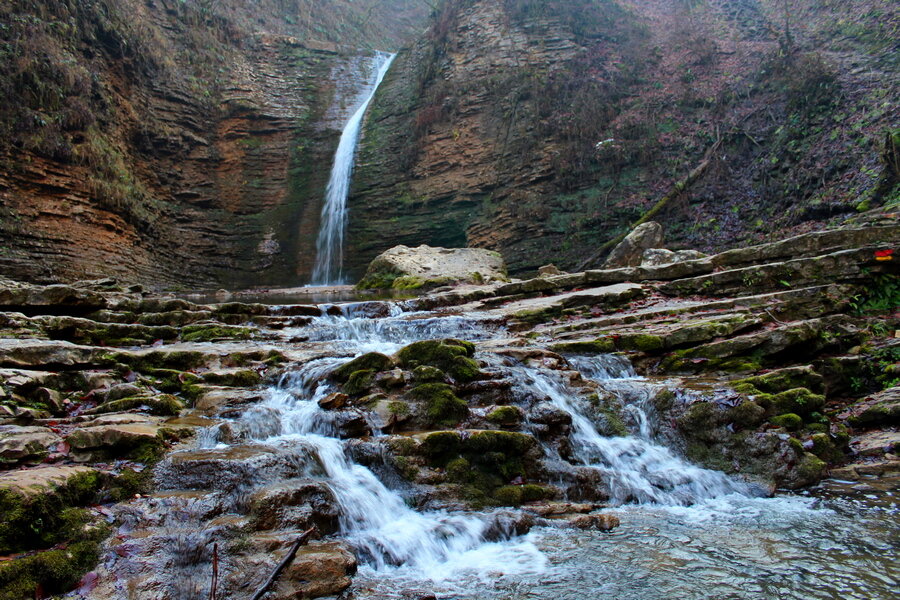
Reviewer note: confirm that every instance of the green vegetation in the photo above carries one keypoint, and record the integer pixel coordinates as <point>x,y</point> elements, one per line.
<point>442,406</point>
<point>450,356</point>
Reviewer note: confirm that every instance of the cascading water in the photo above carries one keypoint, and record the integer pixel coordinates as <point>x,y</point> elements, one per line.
<point>635,468</point>
<point>385,532</point>
<point>328,268</point>
<point>725,539</point>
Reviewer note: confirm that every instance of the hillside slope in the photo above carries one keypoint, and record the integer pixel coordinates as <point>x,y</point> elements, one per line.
<point>542,132</point>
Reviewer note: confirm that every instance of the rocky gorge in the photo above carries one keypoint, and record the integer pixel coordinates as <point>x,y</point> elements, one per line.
<point>158,447</point>
<point>601,299</point>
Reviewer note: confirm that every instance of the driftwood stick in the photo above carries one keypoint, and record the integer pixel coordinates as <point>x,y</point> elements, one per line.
<point>304,537</point>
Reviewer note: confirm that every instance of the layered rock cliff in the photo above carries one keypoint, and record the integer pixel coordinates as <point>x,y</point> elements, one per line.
<point>543,131</point>
<point>176,143</point>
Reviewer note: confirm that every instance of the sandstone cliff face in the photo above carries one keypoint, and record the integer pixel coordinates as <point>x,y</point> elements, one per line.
<point>158,142</point>
<point>543,131</point>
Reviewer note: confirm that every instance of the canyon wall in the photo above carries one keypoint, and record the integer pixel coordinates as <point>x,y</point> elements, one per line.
<point>542,130</point>
<point>172,143</point>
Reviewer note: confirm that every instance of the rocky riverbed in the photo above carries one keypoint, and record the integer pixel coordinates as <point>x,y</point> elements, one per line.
<point>155,447</point>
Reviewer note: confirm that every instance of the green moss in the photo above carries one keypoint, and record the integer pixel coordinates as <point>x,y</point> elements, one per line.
<point>359,382</point>
<point>402,446</point>
<point>441,444</point>
<point>507,416</point>
<point>428,374</point>
<point>508,495</point>
<point>180,360</point>
<point>442,406</point>
<point>53,571</point>
<point>372,361</point>
<point>400,409</point>
<point>407,469</point>
<point>810,469</point>
<point>781,380</point>
<point>407,282</point>
<point>162,405</point>
<point>244,378</point>
<point>747,414</point>
<point>208,333</point>
<point>506,442</point>
<point>449,355</point>
<point>800,401</point>
<point>642,342</point>
<point>378,280</point>
<point>789,421</point>
<point>611,423</point>
<point>825,448</point>
<point>700,416</point>
<point>41,520</point>
<point>148,452</point>
<point>128,483</point>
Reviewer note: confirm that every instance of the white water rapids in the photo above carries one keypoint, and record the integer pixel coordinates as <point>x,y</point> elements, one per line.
<point>439,545</point>
<point>328,269</point>
<point>686,532</point>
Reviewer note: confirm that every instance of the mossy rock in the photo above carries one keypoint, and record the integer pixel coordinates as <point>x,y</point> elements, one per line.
<point>450,356</point>
<point>786,379</point>
<point>161,405</point>
<point>515,495</point>
<point>442,406</point>
<point>44,519</point>
<point>440,444</point>
<point>789,421</point>
<point>800,401</point>
<point>428,374</point>
<point>359,382</point>
<point>810,469</point>
<point>747,414</point>
<point>699,417</point>
<point>54,571</point>
<point>506,442</point>
<point>209,333</point>
<point>885,415</point>
<point>379,280</point>
<point>642,343</point>
<point>179,360</point>
<point>825,448</point>
<point>506,416</point>
<point>372,361</point>
<point>243,378</point>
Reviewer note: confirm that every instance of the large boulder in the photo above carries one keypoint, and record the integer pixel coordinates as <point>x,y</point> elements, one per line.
<point>630,251</point>
<point>402,267</point>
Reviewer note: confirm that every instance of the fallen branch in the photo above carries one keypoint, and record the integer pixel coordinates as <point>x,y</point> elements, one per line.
<point>304,537</point>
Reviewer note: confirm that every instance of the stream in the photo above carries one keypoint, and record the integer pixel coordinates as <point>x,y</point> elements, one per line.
<point>686,532</point>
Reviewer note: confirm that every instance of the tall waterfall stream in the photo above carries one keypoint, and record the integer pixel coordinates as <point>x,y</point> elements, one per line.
<point>328,269</point>
<point>686,532</point>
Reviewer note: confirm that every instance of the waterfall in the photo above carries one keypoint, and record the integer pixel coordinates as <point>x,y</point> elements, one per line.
<point>636,468</point>
<point>328,269</point>
<point>386,533</point>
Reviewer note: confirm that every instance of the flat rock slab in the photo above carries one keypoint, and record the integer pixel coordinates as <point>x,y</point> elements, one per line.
<point>606,296</point>
<point>27,353</point>
<point>23,443</point>
<point>100,436</point>
<point>30,482</point>
<point>876,443</point>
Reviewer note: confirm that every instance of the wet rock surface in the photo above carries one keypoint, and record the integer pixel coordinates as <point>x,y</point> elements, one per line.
<point>506,407</point>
